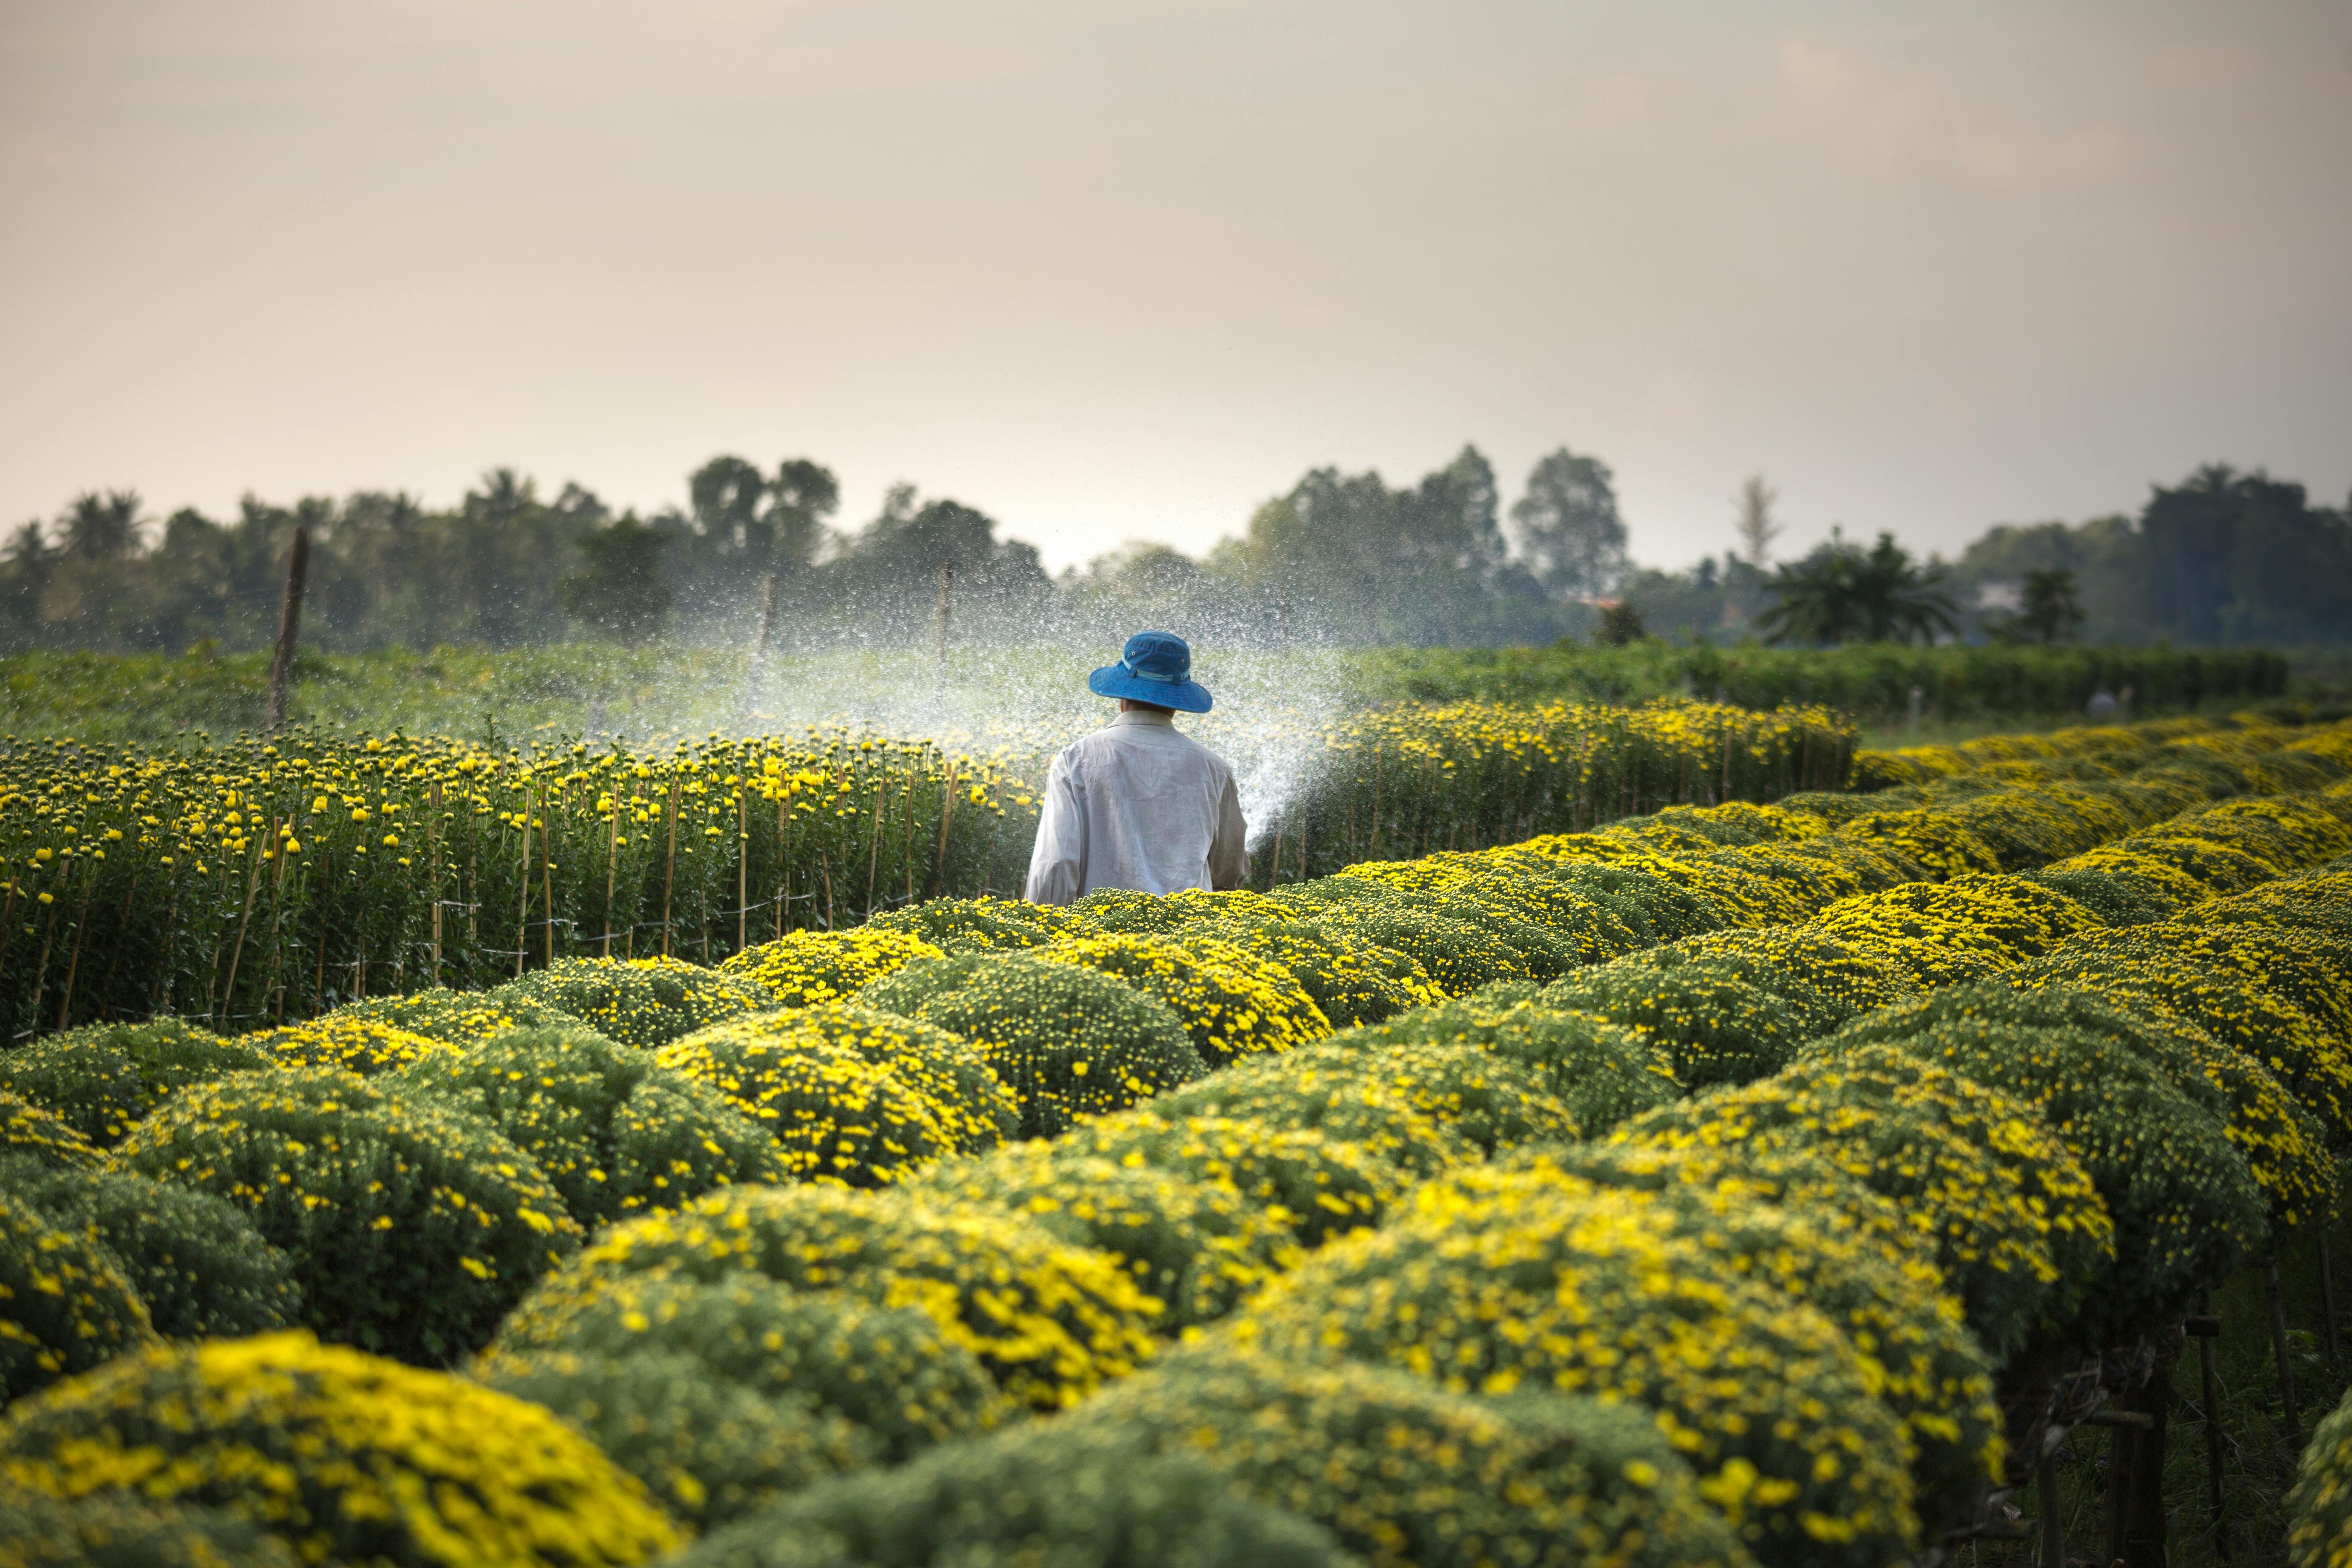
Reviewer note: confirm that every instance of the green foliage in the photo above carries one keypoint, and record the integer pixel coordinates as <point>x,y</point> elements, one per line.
<point>1068,1041</point>
<point>711,1451</point>
<point>620,594</point>
<point>1350,979</point>
<point>889,1371</point>
<point>458,1017</point>
<point>196,1260</point>
<point>1386,1101</point>
<point>118,1529</point>
<point>411,1226</point>
<point>64,1302</point>
<point>611,1130</point>
<point>974,925</point>
<point>28,1130</point>
<point>1042,1495</point>
<point>1719,1027</point>
<point>100,1079</point>
<point>1196,1246</point>
<point>643,1002</point>
<point>1598,1072</point>
<point>1318,1186</point>
<point>1050,1321</point>
<point>344,1457</point>
<point>1405,1474</point>
<point>2186,1207</point>
<point>2319,1529</point>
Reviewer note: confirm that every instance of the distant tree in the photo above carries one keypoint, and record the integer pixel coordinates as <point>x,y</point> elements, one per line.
<point>1841,593</point>
<point>801,496</point>
<point>101,528</point>
<point>2048,610</point>
<point>619,593</point>
<point>1568,528</point>
<point>1620,624</point>
<point>725,494</point>
<point>1757,528</point>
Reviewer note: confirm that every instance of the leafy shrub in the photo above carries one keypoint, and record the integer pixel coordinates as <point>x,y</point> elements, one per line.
<point>1458,955</point>
<point>28,1131</point>
<point>2319,899</point>
<point>1501,1280</point>
<point>971,1106</point>
<point>2319,1508</point>
<point>64,1302</point>
<point>708,1451</point>
<point>610,1130</point>
<point>2017,1227</point>
<point>344,1044</point>
<point>805,968</point>
<point>195,1261</point>
<point>1492,924</point>
<point>1823,982</point>
<point>1193,1245</point>
<point>641,1002</point>
<point>1067,1041</point>
<point>887,1371</point>
<point>1654,910</point>
<point>1405,1474</point>
<point>456,1018</point>
<point>339,1454</point>
<point>412,1227</point>
<point>1041,1495</point>
<point>101,1078</point>
<point>1869,1280</point>
<point>834,1117</point>
<point>1940,847</point>
<point>1390,1100</point>
<point>2186,1208</point>
<point>1350,979</point>
<point>1048,1321</point>
<point>1598,1072</point>
<point>975,925</point>
<point>1233,1003</point>
<point>1549,925</point>
<point>1318,1186</point>
<point>2284,1144</point>
<point>1719,1027</point>
<point>118,1529</point>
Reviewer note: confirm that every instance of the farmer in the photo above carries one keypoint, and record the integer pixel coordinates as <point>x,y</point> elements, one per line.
<point>1136,805</point>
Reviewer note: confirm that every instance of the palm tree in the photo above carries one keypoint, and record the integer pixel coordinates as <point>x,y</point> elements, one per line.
<point>1841,593</point>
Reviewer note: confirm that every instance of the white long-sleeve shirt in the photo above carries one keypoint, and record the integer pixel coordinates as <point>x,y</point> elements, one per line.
<point>1137,804</point>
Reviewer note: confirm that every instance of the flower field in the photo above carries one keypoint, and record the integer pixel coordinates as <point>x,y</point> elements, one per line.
<point>1756,1181</point>
<point>270,883</point>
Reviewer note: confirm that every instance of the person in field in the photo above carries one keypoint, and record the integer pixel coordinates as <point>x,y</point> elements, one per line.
<point>1137,804</point>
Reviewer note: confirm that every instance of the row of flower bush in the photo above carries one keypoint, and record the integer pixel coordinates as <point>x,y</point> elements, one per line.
<point>276,879</point>
<point>1905,1172</point>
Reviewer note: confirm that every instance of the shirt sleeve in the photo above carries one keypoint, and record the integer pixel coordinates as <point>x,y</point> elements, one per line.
<point>1057,866</point>
<point>1228,860</point>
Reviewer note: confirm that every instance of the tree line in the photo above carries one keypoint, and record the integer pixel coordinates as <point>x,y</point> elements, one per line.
<point>2224,558</point>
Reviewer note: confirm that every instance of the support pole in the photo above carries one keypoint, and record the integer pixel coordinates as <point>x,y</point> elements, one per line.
<point>2122,1445</point>
<point>755,680</point>
<point>2145,1523</point>
<point>2207,1328</point>
<point>2053,1519</point>
<point>2279,1350</point>
<point>2327,1292</point>
<point>946,617</point>
<point>290,629</point>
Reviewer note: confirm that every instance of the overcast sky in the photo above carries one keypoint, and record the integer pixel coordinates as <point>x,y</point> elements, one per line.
<point>1117,268</point>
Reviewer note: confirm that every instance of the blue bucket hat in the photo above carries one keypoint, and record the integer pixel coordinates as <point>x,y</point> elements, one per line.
<point>1155,667</point>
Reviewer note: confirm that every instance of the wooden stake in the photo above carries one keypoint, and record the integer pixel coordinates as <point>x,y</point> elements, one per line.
<point>2327,1291</point>
<point>546,875</point>
<point>669,872</point>
<point>743,868</point>
<point>522,904</point>
<point>2209,1329</point>
<point>290,627</point>
<point>946,615</point>
<point>2053,1519</point>
<point>433,852</point>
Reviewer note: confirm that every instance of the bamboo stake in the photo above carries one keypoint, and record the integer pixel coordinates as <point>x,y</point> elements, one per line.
<point>81,927</point>
<point>252,886</point>
<point>742,874</point>
<point>546,876</point>
<point>612,871</point>
<point>433,853</point>
<point>874,855</point>
<point>669,873</point>
<point>522,904</point>
<point>947,814</point>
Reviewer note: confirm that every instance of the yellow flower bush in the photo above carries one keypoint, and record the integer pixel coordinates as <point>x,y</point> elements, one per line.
<point>1233,1003</point>
<point>361,1046</point>
<point>971,1104</point>
<point>804,968</point>
<point>836,1117</point>
<point>1500,1280</point>
<point>412,1227</point>
<point>1195,1246</point>
<point>1598,1072</point>
<point>1348,981</point>
<point>976,925</point>
<point>64,1302</point>
<point>1050,1321</point>
<point>2016,1226</point>
<point>1316,1185</point>
<point>1409,1476</point>
<point>1067,1040</point>
<point>29,1131</point>
<point>1718,1025</point>
<point>2319,1508</point>
<point>106,1528</point>
<point>641,1002</point>
<point>888,1371</point>
<point>100,1079</point>
<point>454,1018</point>
<point>341,1455</point>
<point>610,1129</point>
